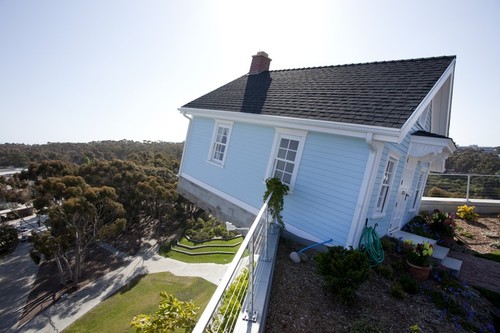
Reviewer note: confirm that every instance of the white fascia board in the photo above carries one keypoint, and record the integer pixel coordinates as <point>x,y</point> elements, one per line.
<point>423,104</point>
<point>384,134</point>
<point>434,141</point>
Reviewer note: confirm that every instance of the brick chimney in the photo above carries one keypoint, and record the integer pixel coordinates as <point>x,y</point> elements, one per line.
<point>260,63</point>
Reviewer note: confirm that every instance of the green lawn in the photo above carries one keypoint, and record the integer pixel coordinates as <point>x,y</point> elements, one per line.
<point>142,296</point>
<point>205,258</point>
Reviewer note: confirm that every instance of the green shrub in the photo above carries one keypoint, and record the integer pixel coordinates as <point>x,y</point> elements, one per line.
<point>344,270</point>
<point>8,236</point>
<point>206,228</point>
<point>409,284</point>
<point>385,270</point>
<point>414,329</point>
<point>467,213</point>
<point>362,326</point>
<point>397,291</point>
<point>232,301</point>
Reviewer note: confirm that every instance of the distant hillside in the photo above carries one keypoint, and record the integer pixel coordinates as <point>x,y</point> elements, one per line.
<point>20,155</point>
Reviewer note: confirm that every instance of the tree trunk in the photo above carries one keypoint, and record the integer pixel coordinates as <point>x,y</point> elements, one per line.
<point>62,276</point>
<point>78,259</point>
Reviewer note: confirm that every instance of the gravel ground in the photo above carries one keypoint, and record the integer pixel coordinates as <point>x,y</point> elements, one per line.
<point>301,303</point>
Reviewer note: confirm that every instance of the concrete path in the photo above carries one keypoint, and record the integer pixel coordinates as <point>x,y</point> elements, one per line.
<point>478,271</point>
<point>66,311</point>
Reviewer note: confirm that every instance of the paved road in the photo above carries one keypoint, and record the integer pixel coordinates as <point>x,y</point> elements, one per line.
<point>17,274</point>
<point>65,311</point>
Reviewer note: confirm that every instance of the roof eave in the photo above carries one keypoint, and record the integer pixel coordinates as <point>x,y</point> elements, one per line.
<point>379,133</point>
<point>407,126</point>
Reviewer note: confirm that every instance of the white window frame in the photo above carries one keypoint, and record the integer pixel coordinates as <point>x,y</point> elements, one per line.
<point>214,144</point>
<point>295,135</point>
<point>384,194</point>
<point>419,188</point>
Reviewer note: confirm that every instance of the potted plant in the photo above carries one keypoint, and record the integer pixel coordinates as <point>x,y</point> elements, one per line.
<point>278,190</point>
<point>443,224</point>
<point>418,258</point>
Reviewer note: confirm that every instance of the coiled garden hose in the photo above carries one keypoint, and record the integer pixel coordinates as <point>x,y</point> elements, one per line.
<point>371,245</point>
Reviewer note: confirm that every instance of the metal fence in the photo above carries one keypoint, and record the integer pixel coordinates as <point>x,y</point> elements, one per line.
<point>234,299</point>
<point>468,186</point>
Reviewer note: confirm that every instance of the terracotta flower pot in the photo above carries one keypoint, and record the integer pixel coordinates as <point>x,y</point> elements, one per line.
<point>418,272</point>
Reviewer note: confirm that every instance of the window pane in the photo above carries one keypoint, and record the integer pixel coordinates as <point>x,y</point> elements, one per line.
<point>278,174</point>
<point>280,165</point>
<point>291,155</point>
<point>294,145</point>
<point>289,167</point>
<point>284,143</point>
<point>281,153</point>
<point>287,178</point>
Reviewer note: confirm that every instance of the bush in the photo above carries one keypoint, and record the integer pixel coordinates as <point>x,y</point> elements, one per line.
<point>397,291</point>
<point>467,213</point>
<point>362,326</point>
<point>409,284</point>
<point>203,229</point>
<point>344,271</point>
<point>8,236</point>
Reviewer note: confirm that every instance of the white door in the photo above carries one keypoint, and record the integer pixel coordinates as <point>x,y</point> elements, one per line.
<point>403,194</point>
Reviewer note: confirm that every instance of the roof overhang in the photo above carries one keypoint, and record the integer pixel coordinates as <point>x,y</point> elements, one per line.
<point>434,149</point>
<point>447,75</point>
<point>379,133</point>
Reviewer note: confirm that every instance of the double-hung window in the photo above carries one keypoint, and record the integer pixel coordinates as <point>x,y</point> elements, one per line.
<point>220,141</point>
<point>419,188</point>
<point>286,156</point>
<point>385,190</point>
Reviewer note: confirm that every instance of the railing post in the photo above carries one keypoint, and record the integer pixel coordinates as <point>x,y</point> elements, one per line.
<point>266,228</point>
<point>251,314</point>
<point>468,188</point>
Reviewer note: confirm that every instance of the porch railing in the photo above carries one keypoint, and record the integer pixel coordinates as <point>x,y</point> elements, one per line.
<point>467,186</point>
<point>238,301</point>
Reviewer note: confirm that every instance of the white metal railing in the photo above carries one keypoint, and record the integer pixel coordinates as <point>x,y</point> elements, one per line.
<point>468,186</point>
<point>234,298</point>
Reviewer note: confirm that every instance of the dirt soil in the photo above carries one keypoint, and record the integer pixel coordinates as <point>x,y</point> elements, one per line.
<point>300,301</point>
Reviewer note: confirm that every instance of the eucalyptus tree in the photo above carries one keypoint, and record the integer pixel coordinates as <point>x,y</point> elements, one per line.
<point>79,215</point>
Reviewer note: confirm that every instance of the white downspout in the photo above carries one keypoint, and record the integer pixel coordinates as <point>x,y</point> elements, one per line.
<point>181,167</point>
<point>366,190</point>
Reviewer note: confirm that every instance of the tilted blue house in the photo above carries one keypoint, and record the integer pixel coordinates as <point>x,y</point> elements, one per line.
<point>353,142</point>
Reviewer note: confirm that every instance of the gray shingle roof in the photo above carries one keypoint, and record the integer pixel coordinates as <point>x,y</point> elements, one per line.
<point>377,94</point>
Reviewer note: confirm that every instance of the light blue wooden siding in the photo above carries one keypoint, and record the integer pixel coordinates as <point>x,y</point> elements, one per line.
<point>327,186</point>
<point>247,156</point>
<point>401,150</point>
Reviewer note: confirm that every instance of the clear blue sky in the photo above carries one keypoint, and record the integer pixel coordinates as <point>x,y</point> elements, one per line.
<point>80,71</point>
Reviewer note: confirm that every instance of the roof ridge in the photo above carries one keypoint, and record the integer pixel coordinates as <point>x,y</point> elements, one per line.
<point>365,63</point>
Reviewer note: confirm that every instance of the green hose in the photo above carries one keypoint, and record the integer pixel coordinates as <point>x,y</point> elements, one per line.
<point>371,245</point>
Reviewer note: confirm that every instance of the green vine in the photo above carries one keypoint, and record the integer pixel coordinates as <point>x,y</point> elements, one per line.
<point>278,190</point>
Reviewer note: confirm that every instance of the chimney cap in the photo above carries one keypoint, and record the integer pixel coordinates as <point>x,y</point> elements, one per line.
<point>260,63</point>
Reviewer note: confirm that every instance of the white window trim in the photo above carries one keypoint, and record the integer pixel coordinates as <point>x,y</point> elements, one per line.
<point>423,172</point>
<point>229,126</point>
<point>287,134</point>
<point>381,211</point>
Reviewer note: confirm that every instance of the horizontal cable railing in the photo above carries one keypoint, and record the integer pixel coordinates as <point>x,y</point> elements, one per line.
<point>234,297</point>
<point>468,186</point>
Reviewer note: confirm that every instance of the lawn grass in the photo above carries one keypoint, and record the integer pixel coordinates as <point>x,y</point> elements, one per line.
<point>232,241</point>
<point>141,296</point>
<point>206,258</point>
<point>216,258</point>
